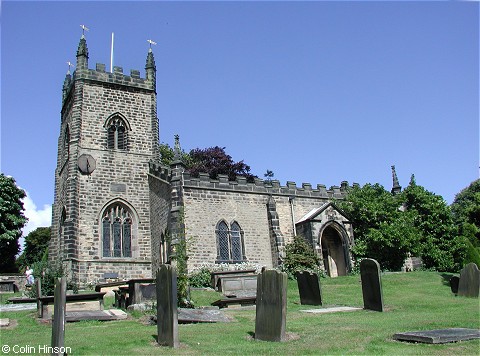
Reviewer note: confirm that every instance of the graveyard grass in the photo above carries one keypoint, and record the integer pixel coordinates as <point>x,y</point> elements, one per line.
<point>413,301</point>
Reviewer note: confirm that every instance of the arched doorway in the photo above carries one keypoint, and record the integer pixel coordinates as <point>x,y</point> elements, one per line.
<point>333,252</point>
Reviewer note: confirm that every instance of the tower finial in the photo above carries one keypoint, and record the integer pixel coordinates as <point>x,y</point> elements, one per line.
<point>177,150</point>
<point>70,65</point>
<point>396,188</point>
<point>84,28</point>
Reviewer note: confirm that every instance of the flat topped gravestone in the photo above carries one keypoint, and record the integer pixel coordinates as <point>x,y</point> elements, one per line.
<point>309,288</point>
<point>439,336</point>
<point>469,284</point>
<point>167,313</point>
<point>371,285</point>
<point>271,306</point>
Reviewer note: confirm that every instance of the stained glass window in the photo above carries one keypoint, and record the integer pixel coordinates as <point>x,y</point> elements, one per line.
<point>117,230</point>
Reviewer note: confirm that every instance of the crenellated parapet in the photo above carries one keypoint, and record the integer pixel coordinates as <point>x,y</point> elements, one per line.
<point>160,171</point>
<point>260,186</point>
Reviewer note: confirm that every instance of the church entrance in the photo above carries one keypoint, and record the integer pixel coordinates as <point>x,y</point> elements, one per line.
<point>333,252</point>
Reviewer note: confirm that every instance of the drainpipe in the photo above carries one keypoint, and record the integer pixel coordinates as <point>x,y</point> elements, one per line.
<point>291,199</point>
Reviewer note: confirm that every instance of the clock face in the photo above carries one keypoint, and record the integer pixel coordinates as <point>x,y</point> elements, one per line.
<point>86,164</point>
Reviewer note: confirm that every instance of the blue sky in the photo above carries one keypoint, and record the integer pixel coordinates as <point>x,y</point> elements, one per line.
<point>317,92</point>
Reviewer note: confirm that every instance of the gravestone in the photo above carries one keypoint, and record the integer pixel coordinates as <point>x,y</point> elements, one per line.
<point>309,288</point>
<point>439,336</point>
<point>371,285</point>
<point>167,313</point>
<point>454,282</point>
<point>58,325</point>
<point>38,288</point>
<point>271,308</point>
<point>469,285</point>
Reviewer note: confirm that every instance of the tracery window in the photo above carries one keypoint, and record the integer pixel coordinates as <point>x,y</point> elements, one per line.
<point>117,134</point>
<point>230,245</point>
<point>117,227</point>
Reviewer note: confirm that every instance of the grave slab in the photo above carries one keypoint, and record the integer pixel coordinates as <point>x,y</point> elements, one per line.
<point>331,310</point>
<point>4,322</point>
<point>439,336</point>
<point>101,315</point>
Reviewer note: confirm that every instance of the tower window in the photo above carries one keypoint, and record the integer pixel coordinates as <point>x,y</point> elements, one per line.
<point>230,246</point>
<point>117,134</point>
<point>117,226</point>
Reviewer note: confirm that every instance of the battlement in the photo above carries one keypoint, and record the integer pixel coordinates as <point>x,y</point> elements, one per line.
<point>99,74</point>
<point>259,186</point>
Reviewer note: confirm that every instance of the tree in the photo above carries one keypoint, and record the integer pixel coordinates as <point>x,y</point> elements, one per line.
<point>439,244</point>
<point>212,160</point>
<point>381,230</point>
<point>466,214</point>
<point>12,221</point>
<point>36,247</point>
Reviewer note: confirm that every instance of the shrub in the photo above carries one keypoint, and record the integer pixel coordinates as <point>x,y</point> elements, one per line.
<point>200,278</point>
<point>48,273</point>
<point>300,256</point>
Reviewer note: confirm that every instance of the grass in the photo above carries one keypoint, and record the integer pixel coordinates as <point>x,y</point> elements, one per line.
<point>414,301</point>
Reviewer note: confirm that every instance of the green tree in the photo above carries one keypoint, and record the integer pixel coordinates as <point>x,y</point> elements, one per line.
<point>439,244</point>
<point>466,214</point>
<point>36,247</point>
<point>12,221</point>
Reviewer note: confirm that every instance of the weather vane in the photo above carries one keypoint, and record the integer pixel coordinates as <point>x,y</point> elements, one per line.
<point>151,43</point>
<point>70,64</point>
<point>84,28</point>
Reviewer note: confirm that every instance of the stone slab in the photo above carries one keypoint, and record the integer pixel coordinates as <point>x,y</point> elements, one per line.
<point>331,310</point>
<point>101,315</point>
<point>4,322</point>
<point>439,336</point>
<point>17,307</point>
<point>201,316</point>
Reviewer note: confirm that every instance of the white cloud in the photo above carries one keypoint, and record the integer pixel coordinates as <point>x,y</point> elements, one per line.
<point>36,217</point>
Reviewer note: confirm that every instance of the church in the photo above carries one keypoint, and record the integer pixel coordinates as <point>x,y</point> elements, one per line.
<point>118,211</point>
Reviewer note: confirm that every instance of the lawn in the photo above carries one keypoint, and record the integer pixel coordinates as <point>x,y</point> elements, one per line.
<point>413,301</point>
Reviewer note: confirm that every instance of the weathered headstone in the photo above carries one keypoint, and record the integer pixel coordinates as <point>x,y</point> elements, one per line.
<point>38,289</point>
<point>167,313</point>
<point>58,326</point>
<point>271,306</point>
<point>454,282</point>
<point>309,288</point>
<point>469,285</point>
<point>371,285</point>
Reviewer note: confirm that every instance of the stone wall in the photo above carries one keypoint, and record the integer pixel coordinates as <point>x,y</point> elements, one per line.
<point>207,201</point>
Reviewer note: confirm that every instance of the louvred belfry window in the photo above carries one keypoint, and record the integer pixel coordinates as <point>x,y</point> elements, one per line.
<point>230,247</point>
<point>117,134</point>
<point>117,226</point>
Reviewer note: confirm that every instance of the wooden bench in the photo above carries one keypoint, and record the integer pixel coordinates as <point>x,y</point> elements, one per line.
<point>45,301</point>
<point>18,300</point>
<point>215,276</point>
<point>224,303</point>
<point>98,287</point>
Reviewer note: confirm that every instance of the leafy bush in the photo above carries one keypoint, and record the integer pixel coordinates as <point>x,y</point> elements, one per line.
<point>48,273</point>
<point>200,278</point>
<point>300,256</point>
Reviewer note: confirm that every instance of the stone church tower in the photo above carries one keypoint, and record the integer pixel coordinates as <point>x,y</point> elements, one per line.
<point>109,134</point>
<point>119,212</point>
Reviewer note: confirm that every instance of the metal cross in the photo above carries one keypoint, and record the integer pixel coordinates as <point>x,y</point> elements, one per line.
<point>84,28</point>
<point>151,43</point>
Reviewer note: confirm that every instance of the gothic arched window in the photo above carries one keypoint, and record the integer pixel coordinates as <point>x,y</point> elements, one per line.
<point>230,247</point>
<point>117,133</point>
<point>117,228</point>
